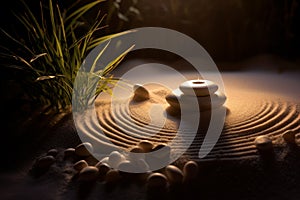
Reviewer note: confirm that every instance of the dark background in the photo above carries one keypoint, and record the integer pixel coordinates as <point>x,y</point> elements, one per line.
<point>230,31</point>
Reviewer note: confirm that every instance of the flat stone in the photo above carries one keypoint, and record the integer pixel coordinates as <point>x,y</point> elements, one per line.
<point>84,149</point>
<point>140,93</point>
<point>198,87</point>
<point>79,165</point>
<point>217,99</point>
<point>89,173</point>
<point>178,100</point>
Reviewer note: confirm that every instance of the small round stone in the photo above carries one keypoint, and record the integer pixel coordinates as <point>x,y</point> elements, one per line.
<point>145,145</point>
<point>160,154</point>
<point>198,87</point>
<point>126,166</point>
<point>136,153</point>
<point>172,100</point>
<point>164,150</point>
<point>102,167</point>
<point>70,152</point>
<point>174,174</point>
<point>263,143</point>
<point>115,158</point>
<point>136,149</point>
<point>104,160</point>
<point>190,171</point>
<point>289,136</point>
<point>142,166</point>
<point>140,92</point>
<point>112,176</point>
<point>78,166</point>
<point>45,161</point>
<point>88,173</point>
<point>157,180</point>
<point>52,152</point>
<point>84,149</point>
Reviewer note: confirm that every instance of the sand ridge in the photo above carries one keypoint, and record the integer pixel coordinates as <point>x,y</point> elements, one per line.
<point>246,119</point>
<point>232,171</point>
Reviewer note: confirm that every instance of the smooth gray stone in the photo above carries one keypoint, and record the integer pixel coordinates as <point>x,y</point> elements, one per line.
<point>78,166</point>
<point>89,173</point>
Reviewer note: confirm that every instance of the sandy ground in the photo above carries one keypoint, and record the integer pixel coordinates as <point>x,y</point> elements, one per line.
<point>226,179</point>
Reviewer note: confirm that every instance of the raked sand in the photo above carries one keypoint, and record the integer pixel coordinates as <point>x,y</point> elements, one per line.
<point>258,103</point>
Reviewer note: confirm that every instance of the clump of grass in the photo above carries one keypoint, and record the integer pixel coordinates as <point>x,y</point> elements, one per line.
<point>58,42</point>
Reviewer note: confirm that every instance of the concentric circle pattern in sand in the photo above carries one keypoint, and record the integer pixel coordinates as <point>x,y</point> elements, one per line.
<point>271,118</point>
<point>249,115</point>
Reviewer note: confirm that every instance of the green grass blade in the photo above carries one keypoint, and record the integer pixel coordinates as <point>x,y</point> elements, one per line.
<point>113,64</point>
<point>98,56</point>
<point>74,16</point>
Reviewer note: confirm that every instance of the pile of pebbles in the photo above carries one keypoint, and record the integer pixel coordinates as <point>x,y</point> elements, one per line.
<point>111,170</point>
<point>205,93</point>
